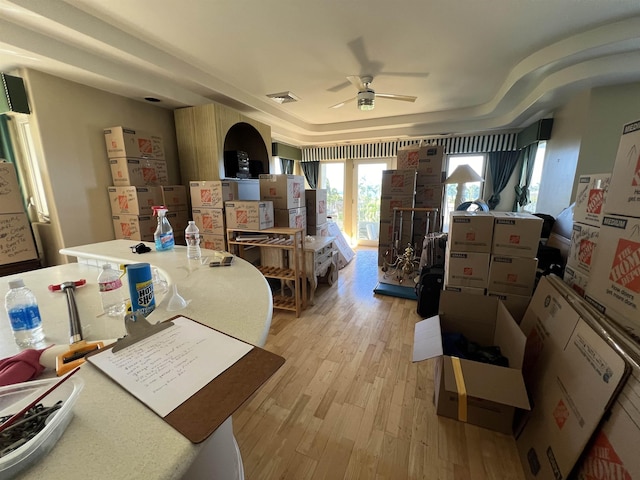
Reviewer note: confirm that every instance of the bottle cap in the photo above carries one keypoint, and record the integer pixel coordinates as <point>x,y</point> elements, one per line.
<point>17,283</point>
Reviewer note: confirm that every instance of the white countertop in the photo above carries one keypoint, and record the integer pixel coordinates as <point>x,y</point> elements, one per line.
<point>113,435</point>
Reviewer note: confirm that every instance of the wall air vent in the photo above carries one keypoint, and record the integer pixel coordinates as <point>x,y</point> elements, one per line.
<point>284,97</point>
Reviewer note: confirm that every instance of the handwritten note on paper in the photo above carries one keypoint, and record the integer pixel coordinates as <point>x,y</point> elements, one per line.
<point>16,240</point>
<point>164,370</point>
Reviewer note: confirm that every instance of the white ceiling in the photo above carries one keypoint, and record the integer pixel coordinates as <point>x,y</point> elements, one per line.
<point>475,65</point>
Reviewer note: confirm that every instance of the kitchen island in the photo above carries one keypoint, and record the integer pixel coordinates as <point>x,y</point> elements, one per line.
<point>113,435</point>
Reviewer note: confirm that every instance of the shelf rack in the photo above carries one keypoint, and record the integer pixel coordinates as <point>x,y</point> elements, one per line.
<point>288,265</point>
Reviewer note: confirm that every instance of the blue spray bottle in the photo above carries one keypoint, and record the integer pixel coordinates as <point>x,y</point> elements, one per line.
<point>163,235</point>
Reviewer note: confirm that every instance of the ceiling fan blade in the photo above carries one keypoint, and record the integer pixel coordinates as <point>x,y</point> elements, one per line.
<point>393,96</point>
<point>340,86</point>
<point>338,105</point>
<point>367,66</point>
<point>405,74</point>
<point>356,81</point>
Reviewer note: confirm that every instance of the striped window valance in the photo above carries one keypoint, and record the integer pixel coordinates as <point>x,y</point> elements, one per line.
<point>452,146</point>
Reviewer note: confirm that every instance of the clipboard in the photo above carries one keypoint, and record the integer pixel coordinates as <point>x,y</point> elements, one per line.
<point>203,412</point>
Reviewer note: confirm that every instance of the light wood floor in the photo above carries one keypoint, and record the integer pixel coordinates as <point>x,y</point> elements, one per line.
<point>349,403</point>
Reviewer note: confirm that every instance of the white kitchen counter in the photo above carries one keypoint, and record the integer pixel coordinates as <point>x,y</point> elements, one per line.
<point>113,435</point>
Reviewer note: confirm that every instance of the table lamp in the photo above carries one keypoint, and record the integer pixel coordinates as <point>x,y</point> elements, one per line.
<point>461,175</point>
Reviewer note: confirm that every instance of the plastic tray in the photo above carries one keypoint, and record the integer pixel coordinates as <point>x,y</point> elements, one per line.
<point>15,397</point>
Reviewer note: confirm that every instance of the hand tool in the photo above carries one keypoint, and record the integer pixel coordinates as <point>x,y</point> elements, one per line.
<point>79,348</point>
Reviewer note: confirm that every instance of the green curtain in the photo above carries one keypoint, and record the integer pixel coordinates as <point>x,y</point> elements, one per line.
<point>310,170</point>
<point>501,166</point>
<point>528,155</point>
<point>287,165</point>
<point>6,149</point>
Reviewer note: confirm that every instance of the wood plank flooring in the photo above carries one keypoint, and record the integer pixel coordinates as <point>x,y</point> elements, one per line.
<point>349,403</point>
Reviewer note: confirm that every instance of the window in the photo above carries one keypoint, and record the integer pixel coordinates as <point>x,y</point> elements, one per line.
<point>332,178</point>
<point>536,176</point>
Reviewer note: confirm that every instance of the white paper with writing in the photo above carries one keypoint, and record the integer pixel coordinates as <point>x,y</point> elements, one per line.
<point>164,370</point>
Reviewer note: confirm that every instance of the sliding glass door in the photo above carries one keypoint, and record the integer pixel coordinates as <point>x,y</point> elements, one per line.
<point>367,187</point>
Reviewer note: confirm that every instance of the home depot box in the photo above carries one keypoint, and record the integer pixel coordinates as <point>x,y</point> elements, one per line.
<point>623,197</point>
<point>16,239</point>
<point>614,281</point>
<point>572,374</point>
<point>126,142</point>
<point>613,453</point>
<point>467,269</point>
<point>318,230</point>
<point>134,227</point>
<point>10,196</point>
<point>428,158</point>
<point>493,393</point>
<point>389,203</point>
<point>209,220</point>
<point>316,201</point>
<point>213,242</point>
<point>138,172</point>
<point>249,214</point>
<point>179,220</point>
<point>134,200</point>
<point>429,196</point>
<point>576,279</point>
<point>516,304</point>
<point>471,231</point>
<point>398,182</point>
<point>584,240</point>
<point>408,157</point>
<point>431,165</point>
<point>516,233</point>
<point>291,218</point>
<point>212,193</point>
<point>469,290</point>
<point>174,197</point>
<point>512,274</point>
<point>591,198</point>
<point>285,191</point>
<point>387,235</point>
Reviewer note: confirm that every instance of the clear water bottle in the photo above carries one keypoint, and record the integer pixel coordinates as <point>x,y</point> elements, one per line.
<point>111,291</point>
<point>24,315</point>
<point>192,237</point>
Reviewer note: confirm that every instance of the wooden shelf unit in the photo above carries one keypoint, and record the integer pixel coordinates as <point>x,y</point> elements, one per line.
<point>290,268</point>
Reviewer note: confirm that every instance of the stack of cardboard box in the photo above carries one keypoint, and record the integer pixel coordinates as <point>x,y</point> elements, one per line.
<point>140,181</point>
<point>614,283</point>
<point>587,217</point>
<point>398,191</point>
<point>494,254</point>
<point>208,199</point>
<point>16,238</point>
<point>316,201</point>
<point>287,193</point>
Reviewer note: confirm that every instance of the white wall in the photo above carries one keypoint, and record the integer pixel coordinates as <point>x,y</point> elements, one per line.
<point>561,157</point>
<point>67,121</point>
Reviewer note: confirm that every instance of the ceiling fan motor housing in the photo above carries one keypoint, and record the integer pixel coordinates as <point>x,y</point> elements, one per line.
<point>366,99</point>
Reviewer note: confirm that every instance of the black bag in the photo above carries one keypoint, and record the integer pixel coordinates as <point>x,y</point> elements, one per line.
<point>428,290</point>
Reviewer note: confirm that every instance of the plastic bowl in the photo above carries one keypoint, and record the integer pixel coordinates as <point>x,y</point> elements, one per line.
<point>14,397</point>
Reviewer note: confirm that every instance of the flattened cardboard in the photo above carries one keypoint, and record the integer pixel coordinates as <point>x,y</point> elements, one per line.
<point>10,195</point>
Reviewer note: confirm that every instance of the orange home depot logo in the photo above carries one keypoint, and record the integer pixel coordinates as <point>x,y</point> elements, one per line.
<point>467,271</point>
<point>145,145</point>
<point>149,175</point>
<point>596,199</point>
<point>413,158</point>
<point>603,463</point>
<point>207,222</point>
<point>205,195</point>
<point>296,190</point>
<point>636,175</point>
<point>585,252</point>
<point>322,206</point>
<point>625,269</point>
<point>273,191</point>
<point>299,222</point>
<point>514,239</point>
<point>123,202</point>
<point>242,217</point>
<point>512,278</point>
<point>125,228</point>
<point>561,414</point>
<point>397,180</point>
<point>470,236</point>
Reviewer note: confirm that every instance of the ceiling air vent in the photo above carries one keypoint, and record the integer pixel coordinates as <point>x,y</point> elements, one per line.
<point>284,97</point>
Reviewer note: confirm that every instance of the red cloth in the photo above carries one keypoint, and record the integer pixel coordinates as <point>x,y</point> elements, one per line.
<point>21,367</point>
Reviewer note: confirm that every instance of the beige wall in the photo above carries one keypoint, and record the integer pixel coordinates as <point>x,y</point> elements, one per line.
<point>67,122</point>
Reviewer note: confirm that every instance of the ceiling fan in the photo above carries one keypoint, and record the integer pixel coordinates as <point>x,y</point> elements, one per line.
<point>366,95</point>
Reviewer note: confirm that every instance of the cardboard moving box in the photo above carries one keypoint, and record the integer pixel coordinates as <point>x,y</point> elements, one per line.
<point>316,201</point>
<point>134,200</point>
<point>591,199</point>
<point>398,182</point>
<point>623,196</point>
<point>10,195</point>
<point>126,142</point>
<point>209,220</point>
<point>16,239</point>
<point>138,172</point>
<point>471,231</point>
<point>285,191</point>
<point>479,393</point>
<point>212,193</point>
<point>249,214</point>
<point>516,233</point>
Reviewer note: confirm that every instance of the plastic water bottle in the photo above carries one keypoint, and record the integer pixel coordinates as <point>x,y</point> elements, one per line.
<point>111,291</point>
<point>24,315</point>
<point>192,237</point>
<point>163,235</point>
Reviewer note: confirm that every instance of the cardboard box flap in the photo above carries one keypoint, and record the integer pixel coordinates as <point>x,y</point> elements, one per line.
<point>472,314</point>
<point>489,382</point>
<point>427,339</point>
<point>509,337</point>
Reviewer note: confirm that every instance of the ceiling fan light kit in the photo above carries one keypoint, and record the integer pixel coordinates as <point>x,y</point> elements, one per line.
<point>366,95</point>
<point>366,99</point>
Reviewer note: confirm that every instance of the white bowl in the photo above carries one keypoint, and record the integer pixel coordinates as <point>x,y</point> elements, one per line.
<point>14,397</point>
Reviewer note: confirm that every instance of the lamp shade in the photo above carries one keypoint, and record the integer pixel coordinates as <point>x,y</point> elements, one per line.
<point>463,174</point>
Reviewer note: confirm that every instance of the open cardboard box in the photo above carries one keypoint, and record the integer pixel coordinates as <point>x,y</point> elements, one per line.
<point>474,392</point>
